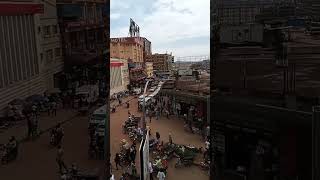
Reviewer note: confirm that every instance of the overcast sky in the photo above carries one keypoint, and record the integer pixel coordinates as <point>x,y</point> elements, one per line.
<point>178,26</point>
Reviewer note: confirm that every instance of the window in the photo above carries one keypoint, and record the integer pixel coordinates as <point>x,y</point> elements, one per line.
<point>57,52</point>
<point>49,54</point>
<point>47,30</point>
<point>54,29</point>
<point>41,57</point>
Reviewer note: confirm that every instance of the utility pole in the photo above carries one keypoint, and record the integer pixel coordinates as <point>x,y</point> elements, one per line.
<point>315,143</point>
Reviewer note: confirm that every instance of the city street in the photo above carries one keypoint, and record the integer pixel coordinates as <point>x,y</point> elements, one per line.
<point>36,159</point>
<point>164,126</point>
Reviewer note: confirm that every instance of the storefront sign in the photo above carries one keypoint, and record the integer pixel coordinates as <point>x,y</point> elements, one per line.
<point>13,9</point>
<point>135,40</point>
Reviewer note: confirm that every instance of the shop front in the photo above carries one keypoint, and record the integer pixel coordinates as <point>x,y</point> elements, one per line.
<point>261,142</point>
<point>193,106</point>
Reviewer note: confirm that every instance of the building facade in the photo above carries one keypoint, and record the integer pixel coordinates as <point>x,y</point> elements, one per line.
<point>149,69</point>
<point>82,27</point>
<point>30,50</point>
<point>161,62</point>
<point>130,48</point>
<point>119,75</point>
<point>147,49</point>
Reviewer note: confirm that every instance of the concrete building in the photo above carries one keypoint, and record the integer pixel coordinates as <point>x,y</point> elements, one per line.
<point>130,48</point>
<point>149,69</point>
<point>119,75</point>
<point>147,49</point>
<point>82,28</point>
<point>161,62</point>
<point>30,49</point>
<point>241,33</point>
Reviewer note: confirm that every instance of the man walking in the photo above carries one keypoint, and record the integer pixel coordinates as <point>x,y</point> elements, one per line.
<point>117,160</point>
<point>161,175</point>
<point>60,159</point>
<point>150,116</point>
<point>158,113</point>
<point>167,113</point>
<point>150,170</point>
<point>29,123</point>
<point>54,108</point>
<point>178,107</point>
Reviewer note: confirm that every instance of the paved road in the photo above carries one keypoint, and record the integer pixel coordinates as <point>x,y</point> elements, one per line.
<point>36,160</point>
<point>45,122</point>
<point>164,127</point>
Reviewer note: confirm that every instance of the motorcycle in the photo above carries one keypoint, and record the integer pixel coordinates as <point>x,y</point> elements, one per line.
<point>74,173</point>
<point>186,161</point>
<point>194,149</point>
<point>9,154</point>
<point>55,138</point>
<point>113,109</point>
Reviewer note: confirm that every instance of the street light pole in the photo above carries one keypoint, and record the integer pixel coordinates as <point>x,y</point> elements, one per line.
<point>144,109</point>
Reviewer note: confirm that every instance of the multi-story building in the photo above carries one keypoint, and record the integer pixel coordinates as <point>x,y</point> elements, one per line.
<point>131,48</point>
<point>30,49</point>
<point>82,27</point>
<point>147,49</point>
<point>149,69</point>
<point>119,75</point>
<point>161,62</point>
<point>312,9</point>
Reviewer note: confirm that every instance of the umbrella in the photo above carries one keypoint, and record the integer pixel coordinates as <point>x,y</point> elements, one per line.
<point>17,102</point>
<point>35,98</point>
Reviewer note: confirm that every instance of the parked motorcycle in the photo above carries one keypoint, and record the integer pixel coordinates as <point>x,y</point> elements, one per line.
<point>9,154</point>
<point>184,162</point>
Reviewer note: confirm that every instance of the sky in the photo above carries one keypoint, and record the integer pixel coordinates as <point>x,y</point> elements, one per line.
<point>178,26</point>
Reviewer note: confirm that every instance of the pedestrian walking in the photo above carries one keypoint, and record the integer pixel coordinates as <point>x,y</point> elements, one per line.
<point>150,116</point>
<point>158,135</point>
<point>170,138</point>
<point>60,160</point>
<point>49,108</point>
<point>54,108</point>
<point>207,132</point>
<point>167,113</point>
<point>34,126</point>
<point>29,124</point>
<point>150,170</point>
<point>178,109</point>
<point>117,160</point>
<point>34,110</point>
<point>133,153</point>
<point>190,126</point>
<point>120,101</point>
<point>123,177</point>
<point>158,113</point>
<point>133,169</point>
<point>161,175</point>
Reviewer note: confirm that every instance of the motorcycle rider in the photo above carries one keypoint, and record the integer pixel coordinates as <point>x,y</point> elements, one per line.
<point>59,133</point>
<point>12,147</point>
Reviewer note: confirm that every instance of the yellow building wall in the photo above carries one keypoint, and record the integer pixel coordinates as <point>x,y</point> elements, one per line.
<point>127,51</point>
